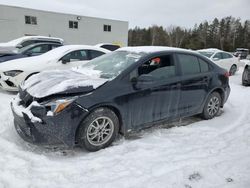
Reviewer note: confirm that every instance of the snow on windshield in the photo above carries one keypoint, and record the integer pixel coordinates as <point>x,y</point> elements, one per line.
<point>111,65</point>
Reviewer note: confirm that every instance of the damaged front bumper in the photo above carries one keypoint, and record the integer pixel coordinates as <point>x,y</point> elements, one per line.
<point>38,128</point>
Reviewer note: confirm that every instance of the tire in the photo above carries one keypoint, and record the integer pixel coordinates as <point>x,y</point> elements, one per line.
<point>212,106</point>
<point>233,70</point>
<point>98,130</point>
<point>245,77</point>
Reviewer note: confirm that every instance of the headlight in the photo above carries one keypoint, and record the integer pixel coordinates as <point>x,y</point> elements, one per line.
<point>12,73</point>
<point>58,105</point>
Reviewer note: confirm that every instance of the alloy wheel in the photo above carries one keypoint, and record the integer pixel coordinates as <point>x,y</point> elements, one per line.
<point>100,131</point>
<point>213,106</point>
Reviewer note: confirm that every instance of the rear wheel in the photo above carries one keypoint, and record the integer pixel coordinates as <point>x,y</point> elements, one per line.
<point>98,130</point>
<point>245,78</point>
<point>212,106</point>
<point>233,70</point>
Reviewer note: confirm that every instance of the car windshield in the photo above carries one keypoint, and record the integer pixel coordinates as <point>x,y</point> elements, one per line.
<point>207,54</point>
<point>111,65</point>
<point>24,49</point>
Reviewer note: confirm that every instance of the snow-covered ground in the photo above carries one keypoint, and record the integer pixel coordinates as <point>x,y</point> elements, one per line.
<point>201,154</point>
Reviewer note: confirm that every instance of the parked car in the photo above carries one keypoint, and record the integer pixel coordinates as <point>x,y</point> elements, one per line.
<point>120,92</point>
<point>246,73</point>
<point>14,72</point>
<point>111,47</point>
<point>31,50</point>
<point>223,59</point>
<point>14,45</point>
<point>242,53</point>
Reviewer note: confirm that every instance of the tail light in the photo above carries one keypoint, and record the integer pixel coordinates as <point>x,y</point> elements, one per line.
<point>227,74</point>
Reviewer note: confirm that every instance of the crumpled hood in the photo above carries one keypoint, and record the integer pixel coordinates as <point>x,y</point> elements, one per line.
<point>55,82</point>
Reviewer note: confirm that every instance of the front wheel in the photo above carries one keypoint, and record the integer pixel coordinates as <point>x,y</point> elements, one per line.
<point>245,78</point>
<point>98,130</point>
<point>212,106</point>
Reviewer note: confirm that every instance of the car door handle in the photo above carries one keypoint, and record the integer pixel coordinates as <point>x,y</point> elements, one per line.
<point>205,79</point>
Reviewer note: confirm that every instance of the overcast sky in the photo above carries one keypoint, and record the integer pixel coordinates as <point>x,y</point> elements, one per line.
<point>145,13</point>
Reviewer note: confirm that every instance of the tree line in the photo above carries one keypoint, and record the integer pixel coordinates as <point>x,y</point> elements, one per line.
<point>226,34</point>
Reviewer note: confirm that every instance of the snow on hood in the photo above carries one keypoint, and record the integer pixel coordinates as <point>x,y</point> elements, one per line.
<point>55,82</point>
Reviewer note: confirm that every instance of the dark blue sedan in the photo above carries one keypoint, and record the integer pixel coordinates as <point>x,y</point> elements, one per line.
<point>28,51</point>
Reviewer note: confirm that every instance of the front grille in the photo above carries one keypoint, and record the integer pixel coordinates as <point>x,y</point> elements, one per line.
<point>26,98</point>
<point>9,83</point>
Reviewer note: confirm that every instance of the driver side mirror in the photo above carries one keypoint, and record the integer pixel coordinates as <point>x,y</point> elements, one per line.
<point>19,46</point>
<point>28,53</point>
<point>65,61</point>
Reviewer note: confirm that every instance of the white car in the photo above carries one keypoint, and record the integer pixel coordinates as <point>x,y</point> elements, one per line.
<point>14,72</point>
<point>11,46</point>
<point>222,59</point>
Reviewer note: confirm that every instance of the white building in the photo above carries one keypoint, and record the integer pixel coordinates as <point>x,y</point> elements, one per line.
<point>74,29</point>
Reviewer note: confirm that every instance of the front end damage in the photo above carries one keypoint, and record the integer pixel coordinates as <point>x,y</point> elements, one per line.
<point>36,123</point>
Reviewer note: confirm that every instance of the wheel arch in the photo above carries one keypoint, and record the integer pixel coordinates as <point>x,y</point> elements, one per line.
<point>31,74</point>
<point>221,93</point>
<point>109,106</point>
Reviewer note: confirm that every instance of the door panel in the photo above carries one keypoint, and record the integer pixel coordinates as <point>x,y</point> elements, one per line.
<point>194,90</point>
<point>157,100</point>
<point>195,80</point>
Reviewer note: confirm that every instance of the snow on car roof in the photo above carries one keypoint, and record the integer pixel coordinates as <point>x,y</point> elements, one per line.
<point>19,40</point>
<point>212,50</point>
<point>152,49</point>
<point>67,48</point>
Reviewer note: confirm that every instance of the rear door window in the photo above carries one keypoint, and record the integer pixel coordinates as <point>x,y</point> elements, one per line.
<point>95,53</point>
<point>189,64</point>
<point>226,56</point>
<point>77,55</point>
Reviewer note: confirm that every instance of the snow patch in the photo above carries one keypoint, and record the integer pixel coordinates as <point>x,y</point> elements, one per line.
<point>19,109</point>
<point>51,82</point>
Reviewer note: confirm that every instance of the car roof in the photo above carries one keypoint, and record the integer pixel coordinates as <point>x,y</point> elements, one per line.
<point>154,49</point>
<point>41,43</point>
<point>21,39</point>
